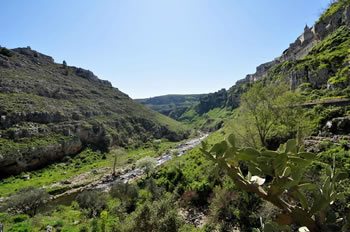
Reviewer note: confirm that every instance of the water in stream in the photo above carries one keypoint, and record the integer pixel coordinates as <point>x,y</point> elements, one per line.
<point>104,185</point>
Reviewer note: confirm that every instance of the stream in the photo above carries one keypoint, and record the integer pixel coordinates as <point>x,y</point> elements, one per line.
<point>105,183</point>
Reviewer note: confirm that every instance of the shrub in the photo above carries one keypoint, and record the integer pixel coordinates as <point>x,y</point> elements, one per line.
<point>148,164</point>
<point>5,52</point>
<point>20,218</point>
<point>156,216</point>
<point>92,201</point>
<point>126,193</point>
<point>286,188</point>
<point>27,201</point>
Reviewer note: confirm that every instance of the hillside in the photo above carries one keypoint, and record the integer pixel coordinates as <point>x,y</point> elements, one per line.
<point>317,62</point>
<point>270,154</point>
<point>50,110</point>
<point>172,105</point>
<point>206,112</point>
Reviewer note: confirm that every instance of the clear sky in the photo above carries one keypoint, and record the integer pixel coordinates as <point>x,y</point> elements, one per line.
<point>156,47</point>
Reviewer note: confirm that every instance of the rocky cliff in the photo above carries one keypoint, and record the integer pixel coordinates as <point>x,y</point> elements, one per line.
<point>319,57</point>
<point>50,110</point>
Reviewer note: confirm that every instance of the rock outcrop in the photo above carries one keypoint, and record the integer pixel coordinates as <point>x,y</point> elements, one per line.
<point>337,16</point>
<point>50,110</point>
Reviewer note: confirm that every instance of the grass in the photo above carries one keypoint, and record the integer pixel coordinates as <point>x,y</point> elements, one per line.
<point>206,121</point>
<point>84,162</point>
<point>10,147</point>
<point>330,55</point>
<point>41,101</point>
<point>72,218</point>
<point>332,9</point>
<point>171,124</point>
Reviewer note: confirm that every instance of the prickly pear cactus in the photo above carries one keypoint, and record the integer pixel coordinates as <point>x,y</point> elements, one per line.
<point>288,189</point>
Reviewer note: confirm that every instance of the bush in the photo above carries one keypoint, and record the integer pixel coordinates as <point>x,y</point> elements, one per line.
<point>156,216</point>
<point>126,193</point>
<point>5,52</point>
<point>148,164</point>
<point>20,218</point>
<point>27,201</point>
<point>93,202</point>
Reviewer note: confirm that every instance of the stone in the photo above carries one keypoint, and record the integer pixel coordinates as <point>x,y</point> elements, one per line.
<point>26,177</point>
<point>338,126</point>
<point>49,228</point>
<point>66,182</point>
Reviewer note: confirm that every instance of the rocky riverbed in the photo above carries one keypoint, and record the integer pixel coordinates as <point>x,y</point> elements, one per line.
<point>103,179</point>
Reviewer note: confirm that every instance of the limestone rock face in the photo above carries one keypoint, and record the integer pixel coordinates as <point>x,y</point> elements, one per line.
<point>296,51</point>
<point>50,110</point>
<point>261,72</point>
<point>40,156</point>
<point>90,76</point>
<point>317,79</point>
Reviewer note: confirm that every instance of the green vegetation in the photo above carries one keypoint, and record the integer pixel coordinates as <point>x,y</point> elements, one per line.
<point>43,102</point>
<point>211,120</point>
<point>148,164</point>
<point>84,162</point>
<point>188,182</point>
<point>255,171</point>
<point>171,105</point>
<point>5,52</point>
<point>334,7</point>
<point>287,168</point>
<point>204,111</point>
<point>267,110</point>
<point>327,63</point>
<point>92,202</point>
<point>99,211</point>
<point>27,201</point>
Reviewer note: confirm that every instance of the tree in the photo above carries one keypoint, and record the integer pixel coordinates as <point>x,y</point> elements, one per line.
<point>92,201</point>
<point>148,164</point>
<point>288,190</point>
<point>266,107</point>
<point>116,153</point>
<point>28,201</point>
<point>124,191</point>
<point>64,63</point>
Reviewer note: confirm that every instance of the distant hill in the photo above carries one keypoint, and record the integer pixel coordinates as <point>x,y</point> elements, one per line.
<point>50,110</point>
<point>172,105</point>
<point>316,63</point>
<point>202,111</point>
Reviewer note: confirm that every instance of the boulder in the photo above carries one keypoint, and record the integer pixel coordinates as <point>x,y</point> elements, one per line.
<point>87,74</point>
<point>338,126</point>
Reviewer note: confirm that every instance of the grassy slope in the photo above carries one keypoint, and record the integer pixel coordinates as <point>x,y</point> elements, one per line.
<point>330,54</point>
<point>206,121</point>
<point>171,105</point>
<point>33,85</point>
<point>333,8</point>
<point>82,163</point>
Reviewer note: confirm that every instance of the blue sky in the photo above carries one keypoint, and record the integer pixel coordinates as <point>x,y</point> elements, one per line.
<point>156,47</point>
